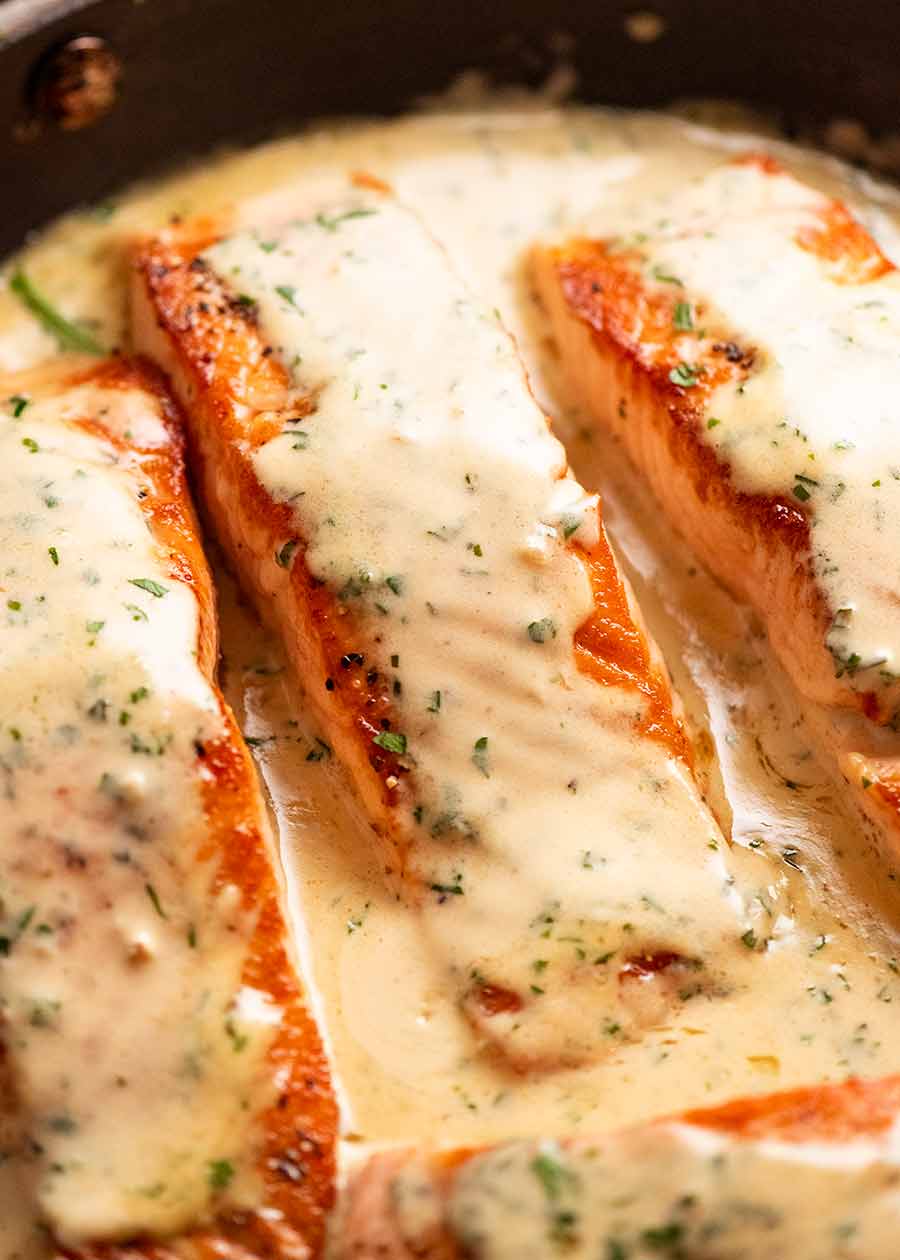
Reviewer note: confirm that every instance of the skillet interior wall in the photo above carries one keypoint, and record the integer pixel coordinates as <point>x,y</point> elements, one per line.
<point>200,73</point>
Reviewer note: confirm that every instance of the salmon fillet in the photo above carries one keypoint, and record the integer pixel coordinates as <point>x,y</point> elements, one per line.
<point>382,480</point>
<point>811,1172</point>
<point>740,340</point>
<point>142,922</point>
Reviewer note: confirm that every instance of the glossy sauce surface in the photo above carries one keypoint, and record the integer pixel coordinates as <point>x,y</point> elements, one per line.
<point>487,186</point>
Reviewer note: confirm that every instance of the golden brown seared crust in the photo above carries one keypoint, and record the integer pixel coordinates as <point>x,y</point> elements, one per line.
<point>370,1229</point>
<point>618,337</point>
<point>237,396</point>
<point>296,1133</point>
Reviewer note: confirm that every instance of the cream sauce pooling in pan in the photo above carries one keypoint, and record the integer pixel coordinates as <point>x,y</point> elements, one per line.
<point>829,1005</point>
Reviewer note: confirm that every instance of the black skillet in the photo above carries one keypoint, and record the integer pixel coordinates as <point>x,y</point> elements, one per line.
<point>94,94</point>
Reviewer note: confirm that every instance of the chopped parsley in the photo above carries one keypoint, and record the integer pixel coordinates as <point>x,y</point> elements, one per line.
<point>391,741</point>
<point>435,705</point>
<point>331,222</point>
<point>683,318</point>
<point>147,584</point>
<point>288,292</point>
<point>221,1172</point>
<point>541,631</point>
<point>685,375</point>
<point>30,445</point>
<point>480,756</point>
<point>154,899</point>
<point>665,277</point>
<point>18,402</point>
<point>283,554</point>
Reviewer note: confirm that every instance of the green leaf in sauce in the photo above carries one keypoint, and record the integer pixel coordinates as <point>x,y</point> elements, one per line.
<point>69,335</point>
<point>480,756</point>
<point>154,899</point>
<point>684,375</point>
<point>147,584</point>
<point>683,318</point>
<point>18,402</point>
<point>288,293</point>
<point>541,631</point>
<point>53,554</point>
<point>435,705</point>
<point>221,1172</point>
<point>665,277</point>
<point>283,554</point>
<point>391,741</point>
<point>570,524</point>
<point>331,223</point>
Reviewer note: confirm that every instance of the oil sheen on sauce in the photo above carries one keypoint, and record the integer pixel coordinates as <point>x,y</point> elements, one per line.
<point>119,969</point>
<point>826,1002</point>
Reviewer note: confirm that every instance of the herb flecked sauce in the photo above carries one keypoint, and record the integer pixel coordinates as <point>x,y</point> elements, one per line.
<point>825,1003</point>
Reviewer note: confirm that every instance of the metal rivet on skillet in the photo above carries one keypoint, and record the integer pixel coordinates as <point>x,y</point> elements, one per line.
<point>76,84</point>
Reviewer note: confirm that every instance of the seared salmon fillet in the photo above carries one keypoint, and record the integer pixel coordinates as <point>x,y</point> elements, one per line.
<point>742,340</point>
<point>367,447</point>
<point>809,1173</point>
<point>173,1089</point>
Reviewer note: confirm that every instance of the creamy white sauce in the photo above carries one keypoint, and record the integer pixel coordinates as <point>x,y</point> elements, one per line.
<point>488,186</point>
<point>119,969</point>
<point>553,842</point>
<point>815,421</point>
<point>671,1190</point>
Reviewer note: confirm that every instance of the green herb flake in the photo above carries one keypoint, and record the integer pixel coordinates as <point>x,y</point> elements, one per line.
<point>541,631</point>
<point>30,445</point>
<point>683,318</point>
<point>570,524</point>
<point>289,293</point>
<point>283,554</point>
<point>221,1172</point>
<point>391,741</point>
<point>147,584</point>
<point>154,899</point>
<point>395,583</point>
<point>685,375</point>
<point>665,277</point>
<point>435,704</point>
<point>452,890</point>
<point>480,756</point>
<point>18,402</point>
<point>331,223</point>
<point>69,335</point>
